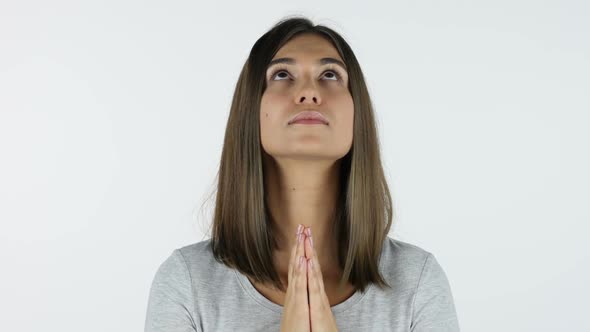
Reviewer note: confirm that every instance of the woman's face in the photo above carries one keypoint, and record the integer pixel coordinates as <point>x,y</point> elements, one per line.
<point>307,83</point>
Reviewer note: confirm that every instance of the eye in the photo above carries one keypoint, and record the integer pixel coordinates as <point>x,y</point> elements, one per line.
<point>278,72</point>
<point>333,75</point>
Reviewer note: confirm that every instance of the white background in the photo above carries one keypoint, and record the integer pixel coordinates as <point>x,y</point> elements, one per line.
<point>112,117</point>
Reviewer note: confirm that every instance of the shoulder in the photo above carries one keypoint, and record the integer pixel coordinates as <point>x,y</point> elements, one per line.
<point>405,265</point>
<point>202,266</point>
<point>182,267</point>
<point>403,250</point>
<point>199,252</point>
<point>180,277</point>
<point>399,255</point>
<point>172,294</point>
<point>408,267</point>
<point>181,260</point>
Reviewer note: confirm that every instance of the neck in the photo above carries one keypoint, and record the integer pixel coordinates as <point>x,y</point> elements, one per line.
<point>303,192</point>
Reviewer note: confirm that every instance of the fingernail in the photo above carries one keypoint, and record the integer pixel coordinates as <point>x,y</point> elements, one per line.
<point>311,241</point>
<point>308,231</point>
<point>299,237</point>
<point>299,229</point>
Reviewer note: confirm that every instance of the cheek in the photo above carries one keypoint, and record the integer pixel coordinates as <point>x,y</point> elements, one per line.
<point>346,125</point>
<point>273,106</point>
<point>266,113</point>
<point>346,105</point>
<point>270,118</point>
<point>268,103</point>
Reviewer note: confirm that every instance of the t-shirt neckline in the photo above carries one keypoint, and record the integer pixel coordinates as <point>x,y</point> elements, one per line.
<point>262,300</point>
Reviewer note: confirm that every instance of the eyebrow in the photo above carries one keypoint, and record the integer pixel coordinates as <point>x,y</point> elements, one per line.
<point>322,61</point>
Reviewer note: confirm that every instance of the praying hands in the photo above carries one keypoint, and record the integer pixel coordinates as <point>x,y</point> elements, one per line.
<point>306,304</point>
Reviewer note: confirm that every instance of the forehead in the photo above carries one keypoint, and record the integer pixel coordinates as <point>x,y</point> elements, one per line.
<point>308,45</point>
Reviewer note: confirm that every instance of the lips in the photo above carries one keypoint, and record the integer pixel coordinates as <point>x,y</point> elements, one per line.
<point>309,115</point>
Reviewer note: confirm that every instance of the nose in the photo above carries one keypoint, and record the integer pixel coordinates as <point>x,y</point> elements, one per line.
<point>308,94</point>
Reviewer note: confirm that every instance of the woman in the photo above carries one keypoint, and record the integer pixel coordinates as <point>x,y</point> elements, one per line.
<point>299,240</point>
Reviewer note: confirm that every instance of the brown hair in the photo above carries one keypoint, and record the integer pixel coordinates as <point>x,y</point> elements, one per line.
<point>242,236</point>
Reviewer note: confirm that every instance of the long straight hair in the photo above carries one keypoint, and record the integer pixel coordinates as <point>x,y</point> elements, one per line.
<point>242,235</point>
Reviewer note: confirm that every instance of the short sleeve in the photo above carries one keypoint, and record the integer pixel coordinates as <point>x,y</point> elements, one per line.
<point>170,305</point>
<point>434,307</point>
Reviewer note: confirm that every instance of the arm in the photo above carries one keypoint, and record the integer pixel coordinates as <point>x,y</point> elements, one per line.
<point>434,307</point>
<point>170,305</point>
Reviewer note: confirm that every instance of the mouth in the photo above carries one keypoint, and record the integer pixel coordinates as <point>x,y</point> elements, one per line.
<point>308,122</point>
<point>309,117</point>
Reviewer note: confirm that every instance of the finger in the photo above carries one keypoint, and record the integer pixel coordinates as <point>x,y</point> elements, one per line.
<point>301,279</point>
<point>293,258</point>
<point>306,244</point>
<point>315,278</point>
<point>301,243</point>
<point>301,272</point>
<point>300,282</point>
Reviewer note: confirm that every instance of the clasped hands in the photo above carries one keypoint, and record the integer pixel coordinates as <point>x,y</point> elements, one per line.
<point>306,304</point>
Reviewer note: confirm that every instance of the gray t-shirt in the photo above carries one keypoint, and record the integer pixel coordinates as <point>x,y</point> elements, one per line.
<point>191,292</point>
